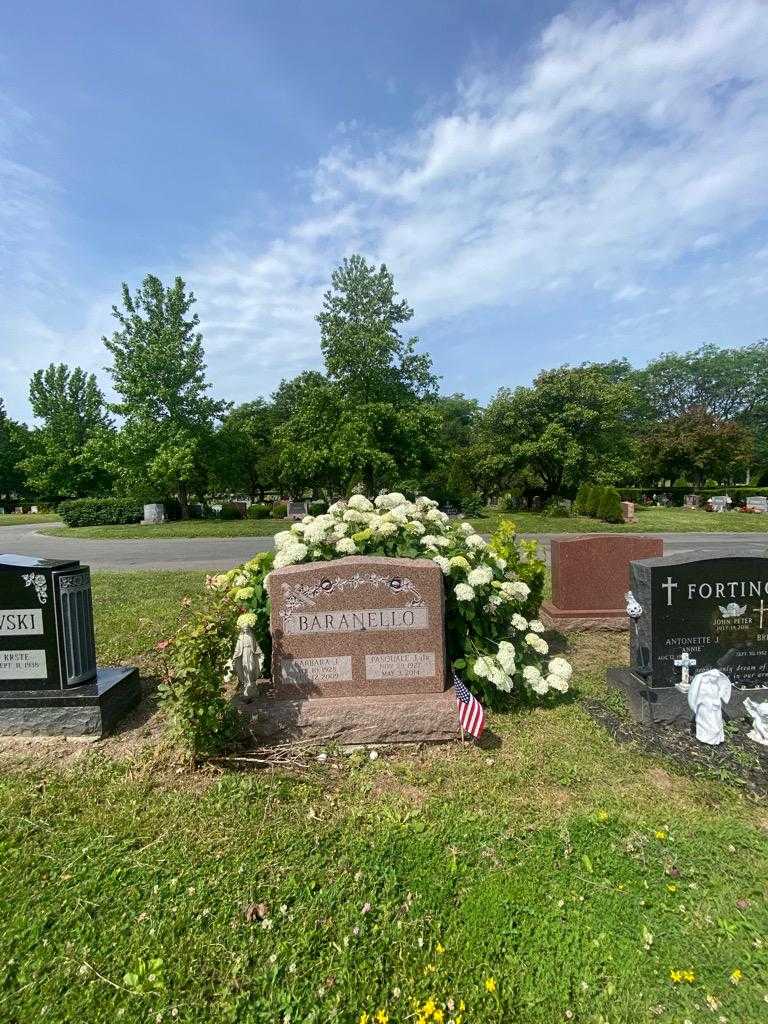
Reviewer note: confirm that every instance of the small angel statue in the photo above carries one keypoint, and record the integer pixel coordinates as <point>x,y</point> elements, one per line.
<point>759,715</point>
<point>709,691</point>
<point>247,662</point>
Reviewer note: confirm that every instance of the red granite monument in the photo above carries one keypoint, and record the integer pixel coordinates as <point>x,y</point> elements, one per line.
<point>358,653</point>
<point>590,576</point>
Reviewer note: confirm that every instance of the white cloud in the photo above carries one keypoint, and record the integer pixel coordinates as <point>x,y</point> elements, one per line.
<point>622,146</point>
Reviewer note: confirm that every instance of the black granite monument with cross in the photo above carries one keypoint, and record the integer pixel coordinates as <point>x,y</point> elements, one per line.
<point>50,683</point>
<point>697,614</point>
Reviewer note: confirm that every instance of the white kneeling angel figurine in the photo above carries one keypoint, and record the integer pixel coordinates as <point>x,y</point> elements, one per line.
<point>709,691</point>
<point>759,715</point>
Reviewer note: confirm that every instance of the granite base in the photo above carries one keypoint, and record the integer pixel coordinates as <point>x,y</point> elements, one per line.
<point>92,710</point>
<point>567,619</point>
<point>663,705</point>
<point>401,718</point>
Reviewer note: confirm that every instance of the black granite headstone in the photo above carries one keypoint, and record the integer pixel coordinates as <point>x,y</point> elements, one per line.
<point>49,681</point>
<point>716,609</point>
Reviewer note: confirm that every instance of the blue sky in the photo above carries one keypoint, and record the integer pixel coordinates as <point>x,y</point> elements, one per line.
<point>549,182</point>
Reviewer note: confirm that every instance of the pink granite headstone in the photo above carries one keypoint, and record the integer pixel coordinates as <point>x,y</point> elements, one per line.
<point>590,576</point>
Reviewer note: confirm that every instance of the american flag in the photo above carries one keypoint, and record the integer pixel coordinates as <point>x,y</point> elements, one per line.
<point>471,714</point>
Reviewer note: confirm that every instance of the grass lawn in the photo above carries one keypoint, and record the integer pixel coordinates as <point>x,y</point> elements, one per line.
<point>14,519</point>
<point>652,520</point>
<point>550,876</point>
<point>649,520</point>
<point>188,528</point>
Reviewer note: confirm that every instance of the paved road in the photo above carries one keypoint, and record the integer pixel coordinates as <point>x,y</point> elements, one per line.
<point>218,553</point>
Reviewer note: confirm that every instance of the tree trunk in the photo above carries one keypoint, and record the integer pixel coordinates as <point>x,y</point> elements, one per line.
<point>183,494</point>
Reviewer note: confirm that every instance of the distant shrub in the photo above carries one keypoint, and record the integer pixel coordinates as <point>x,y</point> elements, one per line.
<point>593,500</point>
<point>100,511</point>
<point>682,482</point>
<point>581,501</point>
<point>257,511</point>
<point>711,484</point>
<point>230,511</point>
<point>317,508</point>
<point>472,507</point>
<point>609,509</point>
<point>279,510</point>
<point>557,508</point>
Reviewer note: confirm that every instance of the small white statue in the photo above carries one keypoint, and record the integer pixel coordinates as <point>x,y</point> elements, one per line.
<point>247,662</point>
<point>759,715</point>
<point>709,691</point>
<point>634,608</point>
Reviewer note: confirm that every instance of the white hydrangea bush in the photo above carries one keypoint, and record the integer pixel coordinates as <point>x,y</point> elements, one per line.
<point>491,643</point>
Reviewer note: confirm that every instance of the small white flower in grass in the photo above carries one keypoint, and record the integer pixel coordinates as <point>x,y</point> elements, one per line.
<point>506,656</point>
<point>246,620</point>
<point>360,502</point>
<point>474,540</point>
<point>561,667</point>
<point>444,564</point>
<point>536,643</point>
<point>519,621</point>
<point>536,626</point>
<point>464,592</point>
<point>480,576</point>
<point>345,546</point>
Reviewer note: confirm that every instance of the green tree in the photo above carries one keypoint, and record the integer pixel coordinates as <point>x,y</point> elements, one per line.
<point>609,509</point>
<point>63,459</point>
<point>14,439</point>
<point>245,459</point>
<point>696,445</point>
<point>159,372</point>
<point>570,425</point>
<point>371,419</point>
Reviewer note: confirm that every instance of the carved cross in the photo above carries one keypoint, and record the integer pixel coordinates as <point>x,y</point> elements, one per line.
<point>668,586</point>
<point>762,609</point>
<point>685,662</point>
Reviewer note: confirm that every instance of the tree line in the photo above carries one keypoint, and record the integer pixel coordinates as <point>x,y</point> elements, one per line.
<point>374,417</point>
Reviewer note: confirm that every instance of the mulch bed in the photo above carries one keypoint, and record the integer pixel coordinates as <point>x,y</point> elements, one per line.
<point>739,760</point>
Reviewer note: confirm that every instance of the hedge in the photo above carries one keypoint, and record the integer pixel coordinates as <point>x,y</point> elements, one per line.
<point>100,511</point>
<point>279,510</point>
<point>257,511</point>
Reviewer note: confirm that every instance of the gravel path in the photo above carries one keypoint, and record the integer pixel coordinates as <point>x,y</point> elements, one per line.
<point>218,553</point>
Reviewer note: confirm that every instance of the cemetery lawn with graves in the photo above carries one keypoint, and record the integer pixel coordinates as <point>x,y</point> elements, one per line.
<point>28,518</point>
<point>550,874</point>
<point>649,520</point>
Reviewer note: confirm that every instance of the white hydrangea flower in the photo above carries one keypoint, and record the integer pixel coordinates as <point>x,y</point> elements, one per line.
<point>536,643</point>
<point>398,515</point>
<point>444,564</point>
<point>340,530</point>
<point>480,576</point>
<point>315,532</point>
<point>434,515</point>
<point>246,620</point>
<point>460,562</point>
<point>501,563</point>
<point>516,589</point>
<point>282,538</point>
<point>483,667</point>
<point>386,529</point>
<point>500,679</point>
<point>519,621</point>
<point>423,502</point>
<point>290,554</point>
<point>345,546</point>
<point>555,682</point>
<point>536,626</point>
<point>337,508</point>
<point>494,601</point>
<point>428,540</point>
<point>561,667</point>
<point>474,540</point>
<point>355,515</point>
<point>360,503</point>
<point>241,580</point>
<point>464,592</point>
<point>415,527</point>
<point>466,529</point>
<point>391,500</point>
<point>506,656</point>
